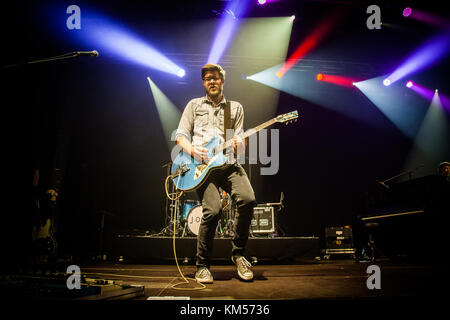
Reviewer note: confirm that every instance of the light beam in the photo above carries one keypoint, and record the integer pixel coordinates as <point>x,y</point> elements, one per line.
<point>426,55</point>
<point>112,39</point>
<point>169,114</point>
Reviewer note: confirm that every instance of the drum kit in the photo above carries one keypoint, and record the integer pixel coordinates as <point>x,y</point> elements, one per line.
<point>190,213</point>
<point>184,216</point>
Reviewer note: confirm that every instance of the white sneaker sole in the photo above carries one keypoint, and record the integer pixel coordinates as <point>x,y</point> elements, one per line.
<point>204,281</point>
<point>244,278</point>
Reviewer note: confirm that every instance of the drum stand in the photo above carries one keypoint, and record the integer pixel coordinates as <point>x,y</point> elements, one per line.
<point>168,230</point>
<point>171,202</point>
<point>226,224</point>
<point>185,229</point>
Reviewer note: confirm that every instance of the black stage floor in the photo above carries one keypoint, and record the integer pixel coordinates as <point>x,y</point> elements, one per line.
<point>297,280</point>
<point>331,287</point>
<point>340,279</point>
<point>302,277</point>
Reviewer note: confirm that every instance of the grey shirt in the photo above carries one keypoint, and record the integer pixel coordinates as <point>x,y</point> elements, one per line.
<point>201,121</point>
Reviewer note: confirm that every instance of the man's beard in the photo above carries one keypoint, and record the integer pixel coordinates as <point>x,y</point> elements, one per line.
<point>217,93</point>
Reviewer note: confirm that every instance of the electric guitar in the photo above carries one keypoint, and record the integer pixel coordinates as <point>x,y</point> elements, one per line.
<point>44,241</point>
<point>188,174</point>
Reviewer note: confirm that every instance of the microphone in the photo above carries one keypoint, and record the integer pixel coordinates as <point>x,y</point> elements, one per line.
<point>93,53</point>
<point>383,184</point>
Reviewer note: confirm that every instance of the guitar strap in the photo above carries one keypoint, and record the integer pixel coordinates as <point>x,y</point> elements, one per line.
<point>227,119</point>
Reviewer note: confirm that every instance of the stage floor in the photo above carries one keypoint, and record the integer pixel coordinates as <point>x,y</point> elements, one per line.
<point>313,280</point>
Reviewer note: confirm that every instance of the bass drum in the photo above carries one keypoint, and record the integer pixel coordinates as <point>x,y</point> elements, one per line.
<point>187,207</point>
<point>194,219</point>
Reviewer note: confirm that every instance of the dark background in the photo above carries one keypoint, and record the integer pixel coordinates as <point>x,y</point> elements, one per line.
<point>96,118</point>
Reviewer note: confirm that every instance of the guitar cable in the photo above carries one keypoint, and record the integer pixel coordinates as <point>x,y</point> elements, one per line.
<point>186,281</point>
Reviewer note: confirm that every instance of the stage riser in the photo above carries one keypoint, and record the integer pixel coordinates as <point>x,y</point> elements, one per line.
<point>136,248</point>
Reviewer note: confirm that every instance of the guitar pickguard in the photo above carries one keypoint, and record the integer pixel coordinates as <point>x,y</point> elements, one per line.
<point>199,170</point>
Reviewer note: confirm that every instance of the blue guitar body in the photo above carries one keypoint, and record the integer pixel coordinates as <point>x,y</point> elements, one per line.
<point>188,174</point>
<point>195,173</point>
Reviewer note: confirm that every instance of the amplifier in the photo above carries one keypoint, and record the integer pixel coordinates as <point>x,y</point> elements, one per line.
<point>339,237</point>
<point>263,220</point>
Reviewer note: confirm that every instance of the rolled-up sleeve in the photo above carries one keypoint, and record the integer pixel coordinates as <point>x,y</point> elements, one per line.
<point>186,125</point>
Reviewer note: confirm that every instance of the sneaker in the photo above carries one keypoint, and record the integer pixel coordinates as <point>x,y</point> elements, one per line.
<point>203,275</point>
<point>243,268</point>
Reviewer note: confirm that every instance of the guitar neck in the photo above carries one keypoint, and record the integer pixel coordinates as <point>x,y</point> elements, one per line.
<point>248,133</point>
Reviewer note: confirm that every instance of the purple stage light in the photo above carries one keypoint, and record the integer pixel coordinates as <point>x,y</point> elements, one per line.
<point>263,2</point>
<point>422,91</point>
<point>223,36</point>
<point>425,56</point>
<point>235,10</point>
<point>407,12</point>
<point>386,82</point>
<point>430,94</point>
<point>445,101</point>
<point>429,18</point>
<point>409,84</point>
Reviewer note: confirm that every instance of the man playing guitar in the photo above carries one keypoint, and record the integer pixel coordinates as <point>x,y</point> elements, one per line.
<point>202,119</point>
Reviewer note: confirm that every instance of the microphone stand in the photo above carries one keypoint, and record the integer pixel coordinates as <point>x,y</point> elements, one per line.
<point>60,57</point>
<point>55,58</point>
<point>409,173</point>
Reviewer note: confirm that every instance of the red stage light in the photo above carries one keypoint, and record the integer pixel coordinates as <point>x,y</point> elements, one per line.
<point>338,80</point>
<point>311,41</point>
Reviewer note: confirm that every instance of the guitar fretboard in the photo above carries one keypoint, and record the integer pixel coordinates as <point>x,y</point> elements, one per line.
<point>248,133</point>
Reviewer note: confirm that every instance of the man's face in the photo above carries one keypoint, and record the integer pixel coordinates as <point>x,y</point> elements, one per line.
<point>213,83</point>
<point>445,170</point>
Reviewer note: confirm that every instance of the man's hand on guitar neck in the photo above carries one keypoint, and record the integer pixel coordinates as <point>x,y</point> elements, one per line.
<point>238,144</point>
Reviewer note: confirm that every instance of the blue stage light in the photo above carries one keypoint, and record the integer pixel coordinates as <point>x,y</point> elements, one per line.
<point>113,40</point>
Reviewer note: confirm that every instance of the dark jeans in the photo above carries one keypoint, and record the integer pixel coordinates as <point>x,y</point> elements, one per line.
<point>234,181</point>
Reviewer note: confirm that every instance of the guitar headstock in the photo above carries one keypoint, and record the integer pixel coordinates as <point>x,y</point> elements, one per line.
<point>287,117</point>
